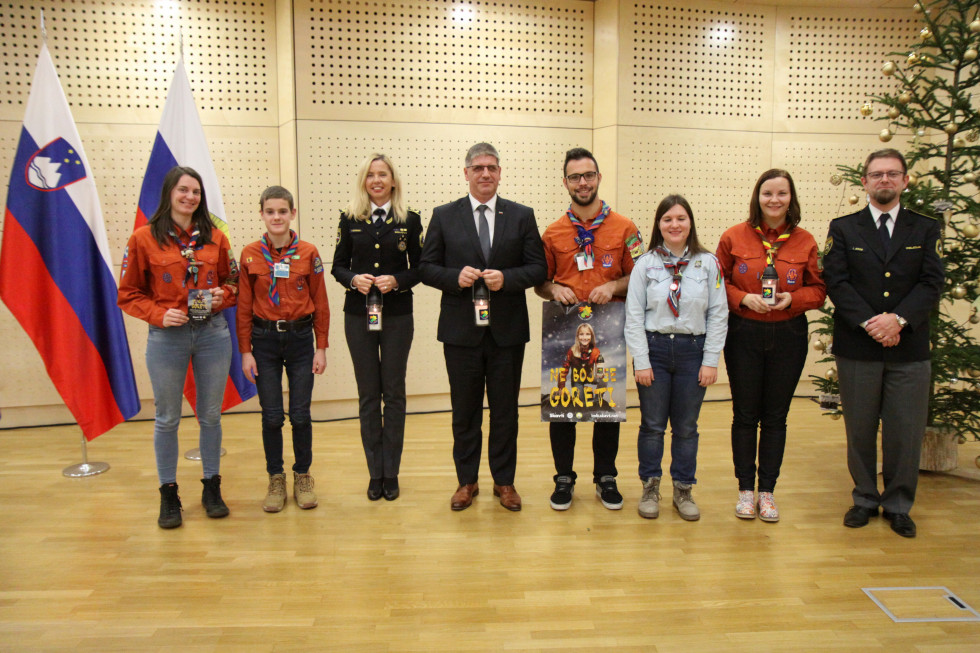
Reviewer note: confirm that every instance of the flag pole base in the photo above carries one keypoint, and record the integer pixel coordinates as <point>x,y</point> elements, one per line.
<point>195,454</point>
<point>85,469</point>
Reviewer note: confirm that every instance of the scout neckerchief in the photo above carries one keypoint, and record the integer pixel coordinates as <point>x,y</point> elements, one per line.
<point>677,270</point>
<point>585,236</point>
<point>772,248</point>
<point>267,254</point>
<point>187,251</point>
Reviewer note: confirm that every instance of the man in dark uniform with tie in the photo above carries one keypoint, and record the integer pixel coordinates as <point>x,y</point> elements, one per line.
<point>884,273</point>
<point>483,252</point>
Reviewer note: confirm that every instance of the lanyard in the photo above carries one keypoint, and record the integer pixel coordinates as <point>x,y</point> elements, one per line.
<point>267,254</point>
<point>187,251</point>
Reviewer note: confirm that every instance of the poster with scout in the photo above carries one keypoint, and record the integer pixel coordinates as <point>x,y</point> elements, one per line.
<point>583,363</point>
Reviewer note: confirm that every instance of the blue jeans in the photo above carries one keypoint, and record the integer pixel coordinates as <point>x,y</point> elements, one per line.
<point>274,351</point>
<point>674,395</point>
<point>169,350</point>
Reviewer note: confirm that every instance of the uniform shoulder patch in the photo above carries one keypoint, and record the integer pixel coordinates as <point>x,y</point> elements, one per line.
<point>828,244</point>
<point>317,265</point>
<point>634,243</point>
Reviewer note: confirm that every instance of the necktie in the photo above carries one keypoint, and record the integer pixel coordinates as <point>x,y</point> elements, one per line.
<point>379,215</point>
<point>484,232</point>
<point>883,230</point>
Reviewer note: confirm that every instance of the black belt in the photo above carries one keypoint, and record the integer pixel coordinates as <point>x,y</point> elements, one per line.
<point>283,325</point>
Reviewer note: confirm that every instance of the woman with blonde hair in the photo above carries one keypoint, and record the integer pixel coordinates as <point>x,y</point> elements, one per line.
<point>379,242</point>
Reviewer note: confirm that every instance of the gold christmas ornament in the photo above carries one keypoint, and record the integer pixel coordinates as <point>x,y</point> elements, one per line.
<point>888,68</point>
<point>959,141</point>
<point>905,97</point>
<point>970,55</point>
<point>925,34</point>
<point>838,416</point>
<point>853,199</point>
<point>975,374</point>
<point>958,292</point>
<point>913,179</point>
<point>917,7</point>
<point>975,26</point>
<point>831,374</point>
<point>951,128</point>
<point>913,58</point>
<point>969,177</point>
<point>885,135</point>
<point>865,109</point>
<point>970,230</point>
<point>819,345</point>
<point>975,319</point>
<point>893,112</point>
<point>836,179</point>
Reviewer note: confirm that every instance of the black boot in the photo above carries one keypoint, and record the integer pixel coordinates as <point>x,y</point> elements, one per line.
<point>169,506</point>
<point>211,497</point>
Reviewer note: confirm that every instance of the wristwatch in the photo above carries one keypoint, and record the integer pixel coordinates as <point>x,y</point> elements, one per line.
<point>902,322</point>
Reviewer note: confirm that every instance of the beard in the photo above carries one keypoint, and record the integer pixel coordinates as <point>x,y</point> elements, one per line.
<point>885,196</point>
<point>588,200</point>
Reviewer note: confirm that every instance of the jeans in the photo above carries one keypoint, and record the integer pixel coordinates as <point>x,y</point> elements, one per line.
<point>764,362</point>
<point>273,351</point>
<point>169,350</point>
<point>675,395</point>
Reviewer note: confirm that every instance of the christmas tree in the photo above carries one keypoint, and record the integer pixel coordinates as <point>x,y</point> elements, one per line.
<point>936,89</point>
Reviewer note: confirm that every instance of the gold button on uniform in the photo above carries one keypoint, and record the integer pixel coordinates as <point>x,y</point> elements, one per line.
<point>888,274</point>
<point>378,265</point>
<point>886,292</point>
<point>378,246</point>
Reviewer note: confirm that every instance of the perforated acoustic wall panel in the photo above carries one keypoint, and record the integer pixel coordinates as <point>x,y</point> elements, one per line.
<point>446,61</point>
<point>430,160</point>
<point>703,64</point>
<point>831,64</point>
<point>116,58</point>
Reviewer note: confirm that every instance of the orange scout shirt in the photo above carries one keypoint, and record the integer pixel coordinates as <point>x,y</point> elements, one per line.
<point>743,259</point>
<point>617,245</point>
<point>152,279</point>
<point>301,294</point>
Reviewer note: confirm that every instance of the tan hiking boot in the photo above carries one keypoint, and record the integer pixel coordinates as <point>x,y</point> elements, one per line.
<point>303,491</point>
<point>649,507</point>
<point>276,497</point>
<point>684,503</point>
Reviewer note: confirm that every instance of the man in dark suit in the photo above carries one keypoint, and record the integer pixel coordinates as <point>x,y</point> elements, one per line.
<point>884,273</point>
<point>483,246</point>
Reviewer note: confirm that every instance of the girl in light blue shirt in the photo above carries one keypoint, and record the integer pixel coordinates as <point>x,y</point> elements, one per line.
<point>676,323</point>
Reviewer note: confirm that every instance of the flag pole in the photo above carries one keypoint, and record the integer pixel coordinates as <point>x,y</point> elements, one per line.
<point>85,468</point>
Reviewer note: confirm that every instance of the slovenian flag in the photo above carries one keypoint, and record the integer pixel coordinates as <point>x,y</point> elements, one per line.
<point>55,269</point>
<point>180,141</point>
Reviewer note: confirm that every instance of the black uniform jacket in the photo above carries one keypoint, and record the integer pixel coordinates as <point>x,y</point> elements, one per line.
<point>864,280</point>
<point>393,248</point>
<point>452,243</point>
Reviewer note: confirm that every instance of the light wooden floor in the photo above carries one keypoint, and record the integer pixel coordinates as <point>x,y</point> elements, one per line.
<point>83,565</point>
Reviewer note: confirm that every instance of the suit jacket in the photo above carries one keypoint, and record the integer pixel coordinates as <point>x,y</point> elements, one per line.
<point>864,280</point>
<point>452,243</point>
<point>393,248</point>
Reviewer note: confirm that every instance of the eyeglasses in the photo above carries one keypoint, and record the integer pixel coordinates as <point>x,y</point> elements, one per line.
<point>894,175</point>
<point>588,176</point>
<point>479,169</point>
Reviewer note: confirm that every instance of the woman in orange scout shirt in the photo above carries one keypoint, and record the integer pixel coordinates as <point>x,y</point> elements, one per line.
<point>177,273</point>
<point>767,343</point>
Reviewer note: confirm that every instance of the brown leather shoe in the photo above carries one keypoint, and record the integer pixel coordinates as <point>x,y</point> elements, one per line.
<point>463,498</point>
<point>509,498</point>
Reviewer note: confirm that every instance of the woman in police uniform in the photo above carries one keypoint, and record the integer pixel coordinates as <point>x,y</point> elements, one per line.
<point>379,242</point>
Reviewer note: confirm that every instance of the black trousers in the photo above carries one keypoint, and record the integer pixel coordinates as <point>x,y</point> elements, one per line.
<point>605,446</point>
<point>471,370</point>
<point>380,359</point>
<point>764,362</point>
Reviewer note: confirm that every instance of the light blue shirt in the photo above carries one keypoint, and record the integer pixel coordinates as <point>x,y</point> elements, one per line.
<point>703,305</point>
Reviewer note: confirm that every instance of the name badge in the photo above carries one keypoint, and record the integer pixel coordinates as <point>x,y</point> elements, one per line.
<point>199,305</point>
<point>583,261</point>
<point>281,270</point>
